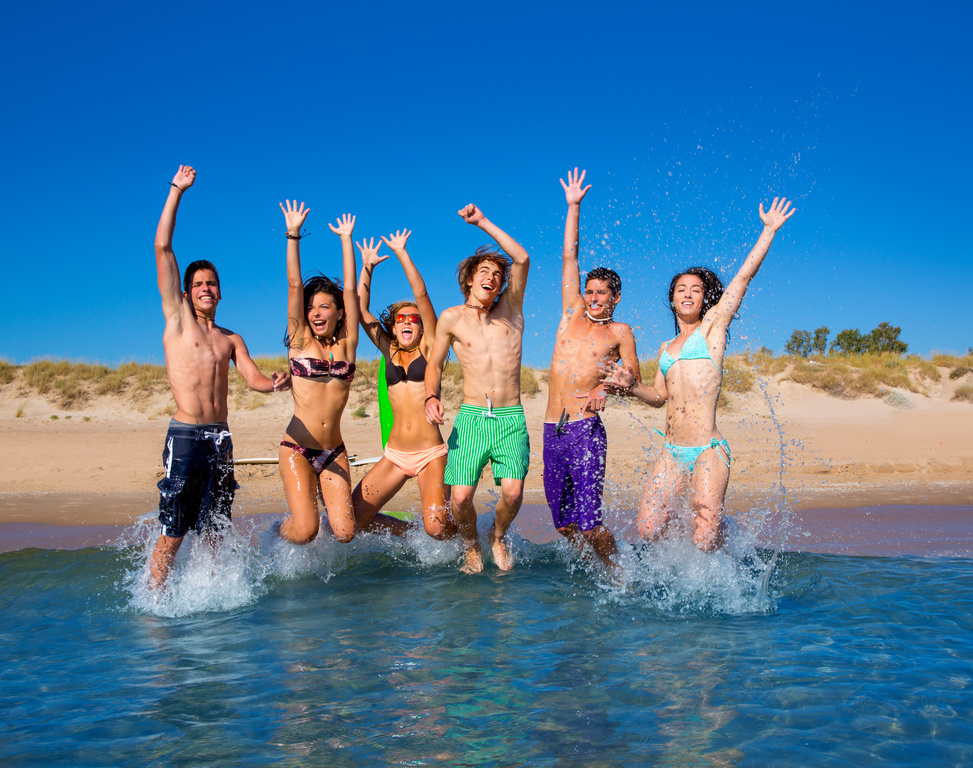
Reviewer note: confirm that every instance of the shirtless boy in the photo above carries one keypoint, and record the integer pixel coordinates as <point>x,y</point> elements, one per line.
<point>198,488</point>
<point>486,332</point>
<point>575,443</point>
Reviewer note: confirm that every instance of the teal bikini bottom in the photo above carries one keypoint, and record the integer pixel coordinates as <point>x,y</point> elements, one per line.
<point>687,455</point>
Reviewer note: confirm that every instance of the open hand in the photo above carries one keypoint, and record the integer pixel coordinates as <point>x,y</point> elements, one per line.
<point>346,225</point>
<point>369,252</point>
<point>294,217</point>
<point>594,400</point>
<point>618,377</point>
<point>397,241</point>
<point>774,218</point>
<point>573,191</point>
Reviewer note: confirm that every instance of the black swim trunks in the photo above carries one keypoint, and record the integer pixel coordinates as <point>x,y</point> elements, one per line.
<point>199,485</point>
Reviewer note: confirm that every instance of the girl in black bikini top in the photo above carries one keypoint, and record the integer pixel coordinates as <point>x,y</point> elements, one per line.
<point>415,448</point>
<point>394,374</point>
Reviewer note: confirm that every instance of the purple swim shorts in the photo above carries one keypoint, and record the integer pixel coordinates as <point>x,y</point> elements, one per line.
<point>574,471</point>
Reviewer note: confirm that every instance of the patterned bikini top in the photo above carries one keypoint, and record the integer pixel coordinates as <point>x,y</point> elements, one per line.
<point>397,373</point>
<point>694,348</point>
<point>311,367</point>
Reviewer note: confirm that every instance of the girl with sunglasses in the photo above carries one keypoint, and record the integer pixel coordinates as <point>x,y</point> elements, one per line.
<point>404,335</point>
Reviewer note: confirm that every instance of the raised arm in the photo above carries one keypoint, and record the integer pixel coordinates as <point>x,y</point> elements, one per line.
<point>371,324</point>
<point>423,303</point>
<point>294,218</point>
<point>344,229</point>
<point>434,366</point>
<point>517,283</point>
<point>165,259</point>
<point>574,193</point>
<point>722,314</point>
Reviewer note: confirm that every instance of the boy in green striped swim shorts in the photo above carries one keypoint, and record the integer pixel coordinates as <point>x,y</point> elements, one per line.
<point>486,333</point>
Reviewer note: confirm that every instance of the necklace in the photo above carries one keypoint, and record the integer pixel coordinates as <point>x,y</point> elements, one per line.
<point>606,321</point>
<point>474,306</point>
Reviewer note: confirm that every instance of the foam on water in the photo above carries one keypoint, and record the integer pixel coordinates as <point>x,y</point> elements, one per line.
<point>668,577</point>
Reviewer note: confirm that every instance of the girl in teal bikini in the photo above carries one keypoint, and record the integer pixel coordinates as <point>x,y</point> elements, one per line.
<point>695,456</point>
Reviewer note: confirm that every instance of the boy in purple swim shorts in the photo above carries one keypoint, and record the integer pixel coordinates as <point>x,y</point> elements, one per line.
<point>574,472</point>
<point>575,443</point>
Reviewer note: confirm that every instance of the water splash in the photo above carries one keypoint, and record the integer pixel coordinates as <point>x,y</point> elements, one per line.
<point>781,493</point>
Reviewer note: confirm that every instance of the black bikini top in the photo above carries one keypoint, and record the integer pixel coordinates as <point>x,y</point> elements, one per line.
<point>313,366</point>
<point>396,373</point>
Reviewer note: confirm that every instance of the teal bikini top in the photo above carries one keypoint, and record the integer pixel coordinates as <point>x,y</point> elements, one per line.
<point>694,348</point>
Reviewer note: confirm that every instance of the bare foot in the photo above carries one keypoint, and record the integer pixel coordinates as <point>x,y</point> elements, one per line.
<point>473,561</point>
<point>501,555</point>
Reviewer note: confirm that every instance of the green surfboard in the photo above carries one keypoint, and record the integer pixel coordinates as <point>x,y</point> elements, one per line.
<point>384,406</point>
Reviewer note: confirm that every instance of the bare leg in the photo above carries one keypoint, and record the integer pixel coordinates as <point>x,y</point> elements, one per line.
<point>465,516</point>
<point>603,544</point>
<point>709,481</point>
<point>598,540</point>
<point>335,482</point>
<point>666,483</point>
<point>300,490</point>
<point>162,558</point>
<point>511,498</point>
<point>374,491</point>
<point>435,500</point>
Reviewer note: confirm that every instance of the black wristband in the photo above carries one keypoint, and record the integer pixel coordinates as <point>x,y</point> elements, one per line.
<point>289,236</point>
<point>430,397</point>
<point>176,186</point>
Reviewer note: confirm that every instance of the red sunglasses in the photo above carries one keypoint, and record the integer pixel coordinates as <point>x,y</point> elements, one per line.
<point>409,318</point>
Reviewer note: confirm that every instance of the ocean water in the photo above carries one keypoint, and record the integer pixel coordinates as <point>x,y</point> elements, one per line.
<point>382,653</point>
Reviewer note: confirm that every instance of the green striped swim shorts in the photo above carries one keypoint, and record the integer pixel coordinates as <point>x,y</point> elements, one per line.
<point>497,435</point>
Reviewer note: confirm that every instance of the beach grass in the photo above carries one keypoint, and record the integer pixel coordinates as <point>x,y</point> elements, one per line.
<point>528,382</point>
<point>71,385</point>
<point>964,392</point>
<point>7,372</point>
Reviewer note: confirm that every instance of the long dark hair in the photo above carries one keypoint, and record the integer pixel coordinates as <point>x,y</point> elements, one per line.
<point>320,283</point>
<point>712,291</point>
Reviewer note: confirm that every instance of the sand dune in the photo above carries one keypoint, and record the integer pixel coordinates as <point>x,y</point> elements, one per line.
<point>99,465</point>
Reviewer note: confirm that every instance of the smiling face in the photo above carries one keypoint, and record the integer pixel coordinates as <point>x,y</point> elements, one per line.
<point>323,315</point>
<point>483,275</point>
<point>485,283</point>
<point>407,327</point>
<point>599,301</point>
<point>687,298</point>
<point>204,291</point>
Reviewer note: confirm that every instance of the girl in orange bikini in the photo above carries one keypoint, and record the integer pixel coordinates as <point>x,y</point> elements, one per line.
<point>322,336</point>
<point>404,335</point>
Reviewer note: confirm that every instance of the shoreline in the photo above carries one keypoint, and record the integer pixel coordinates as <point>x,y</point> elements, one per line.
<point>890,522</point>
<point>794,448</point>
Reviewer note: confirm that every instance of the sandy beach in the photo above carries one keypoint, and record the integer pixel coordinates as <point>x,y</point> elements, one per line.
<point>98,465</point>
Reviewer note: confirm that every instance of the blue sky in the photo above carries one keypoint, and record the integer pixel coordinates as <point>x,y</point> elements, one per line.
<point>686,117</point>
